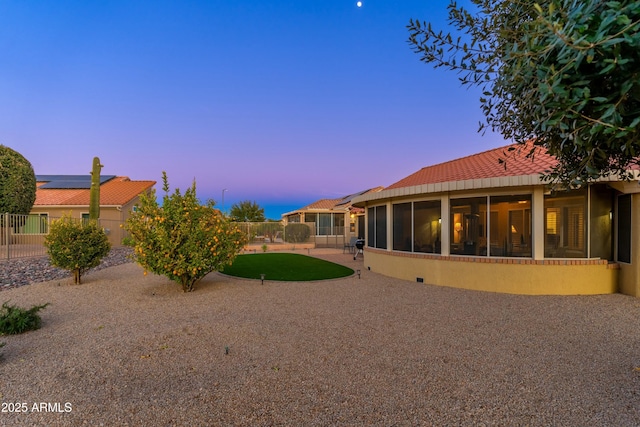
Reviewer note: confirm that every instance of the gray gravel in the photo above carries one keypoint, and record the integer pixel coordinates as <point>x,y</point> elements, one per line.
<point>24,271</point>
<point>128,349</point>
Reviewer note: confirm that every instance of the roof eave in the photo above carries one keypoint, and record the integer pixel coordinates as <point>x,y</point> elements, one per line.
<point>443,187</point>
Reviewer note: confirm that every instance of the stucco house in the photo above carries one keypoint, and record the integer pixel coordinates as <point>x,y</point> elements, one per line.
<point>333,221</point>
<point>474,223</point>
<point>58,195</point>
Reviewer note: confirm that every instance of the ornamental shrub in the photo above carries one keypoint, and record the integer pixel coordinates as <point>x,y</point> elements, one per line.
<point>76,245</point>
<point>297,232</point>
<point>17,182</point>
<point>182,239</point>
<point>16,320</point>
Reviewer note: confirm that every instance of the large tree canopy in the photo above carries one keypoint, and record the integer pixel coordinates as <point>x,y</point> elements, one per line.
<point>17,183</point>
<point>247,211</point>
<point>564,74</point>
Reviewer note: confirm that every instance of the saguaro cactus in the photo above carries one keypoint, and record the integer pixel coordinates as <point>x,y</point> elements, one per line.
<point>94,198</point>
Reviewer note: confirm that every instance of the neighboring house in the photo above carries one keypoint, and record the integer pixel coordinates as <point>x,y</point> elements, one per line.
<point>474,223</point>
<point>58,195</point>
<point>333,221</point>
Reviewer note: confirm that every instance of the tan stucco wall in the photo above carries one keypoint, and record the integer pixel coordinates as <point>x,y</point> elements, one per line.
<point>630,273</point>
<point>110,217</point>
<point>513,276</point>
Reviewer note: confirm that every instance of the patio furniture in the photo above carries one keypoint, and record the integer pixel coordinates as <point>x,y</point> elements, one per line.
<point>351,246</point>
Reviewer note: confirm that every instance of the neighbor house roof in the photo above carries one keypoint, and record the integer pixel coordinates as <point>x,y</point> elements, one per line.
<point>114,191</point>
<point>342,203</point>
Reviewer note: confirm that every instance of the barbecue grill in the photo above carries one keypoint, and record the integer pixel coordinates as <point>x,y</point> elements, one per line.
<point>359,248</point>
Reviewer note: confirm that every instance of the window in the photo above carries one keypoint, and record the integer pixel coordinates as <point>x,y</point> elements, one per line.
<point>377,224</point>
<point>427,227</point>
<point>338,224</point>
<point>402,227</point>
<point>327,224</point>
<point>510,226</point>
<point>310,217</point>
<point>624,228</point>
<point>416,227</point>
<point>293,218</point>
<point>601,233</point>
<point>324,225</point>
<point>565,226</point>
<point>468,226</point>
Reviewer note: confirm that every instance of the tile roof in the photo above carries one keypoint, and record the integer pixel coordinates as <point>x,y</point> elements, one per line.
<point>115,192</point>
<point>343,203</point>
<point>323,204</point>
<point>481,165</point>
<point>340,204</point>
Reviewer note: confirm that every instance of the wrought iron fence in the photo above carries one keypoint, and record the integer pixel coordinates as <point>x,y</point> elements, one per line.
<point>23,236</point>
<point>295,233</point>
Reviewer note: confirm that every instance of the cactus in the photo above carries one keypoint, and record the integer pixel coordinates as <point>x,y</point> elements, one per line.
<point>94,198</point>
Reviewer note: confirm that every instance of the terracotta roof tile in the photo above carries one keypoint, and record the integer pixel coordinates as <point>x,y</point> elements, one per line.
<point>117,192</point>
<point>342,203</point>
<point>323,204</point>
<point>481,165</point>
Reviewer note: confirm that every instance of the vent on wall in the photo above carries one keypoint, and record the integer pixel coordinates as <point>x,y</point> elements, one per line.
<point>419,280</point>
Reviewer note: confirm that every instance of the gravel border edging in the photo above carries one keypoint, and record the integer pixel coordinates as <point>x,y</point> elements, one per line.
<point>24,271</point>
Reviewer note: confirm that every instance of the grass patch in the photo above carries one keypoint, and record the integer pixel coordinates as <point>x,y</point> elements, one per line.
<point>285,267</point>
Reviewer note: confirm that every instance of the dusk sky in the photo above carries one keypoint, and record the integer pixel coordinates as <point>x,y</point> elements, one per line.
<point>279,102</point>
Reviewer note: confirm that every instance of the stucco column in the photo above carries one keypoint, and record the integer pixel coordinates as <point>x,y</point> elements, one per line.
<point>537,210</point>
<point>445,229</point>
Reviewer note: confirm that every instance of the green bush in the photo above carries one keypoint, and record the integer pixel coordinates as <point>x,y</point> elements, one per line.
<point>16,320</point>
<point>270,230</point>
<point>76,245</point>
<point>297,232</point>
<point>17,182</point>
<point>182,239</point>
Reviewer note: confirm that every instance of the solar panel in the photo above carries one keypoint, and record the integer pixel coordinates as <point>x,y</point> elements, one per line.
<point>69,181</point>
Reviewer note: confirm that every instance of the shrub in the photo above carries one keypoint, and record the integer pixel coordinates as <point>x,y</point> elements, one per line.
<point>16,320</point>
<point>17,182</point>
<point>297,232</point>
<point>76,245</point>
<point>182,239</point>
<point>270,230</point>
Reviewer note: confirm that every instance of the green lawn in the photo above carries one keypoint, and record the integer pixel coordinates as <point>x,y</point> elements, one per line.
<point>286,267</point>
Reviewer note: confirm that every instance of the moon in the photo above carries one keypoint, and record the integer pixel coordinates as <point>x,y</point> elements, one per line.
<point>359,4</point>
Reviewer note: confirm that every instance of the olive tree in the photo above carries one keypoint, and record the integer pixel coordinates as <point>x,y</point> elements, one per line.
<point>563,74</point>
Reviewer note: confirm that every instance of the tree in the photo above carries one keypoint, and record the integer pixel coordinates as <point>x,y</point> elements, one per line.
<point>76,245</point>
<point>17,183</point>
<point>247,211</point>
<point>182,239</point>
<point>560,73</point>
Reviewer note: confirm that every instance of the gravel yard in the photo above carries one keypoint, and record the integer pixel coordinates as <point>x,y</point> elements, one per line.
<point>128,349</point>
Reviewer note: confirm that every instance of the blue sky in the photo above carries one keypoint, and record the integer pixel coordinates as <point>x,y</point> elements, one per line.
<point>279,102</point>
